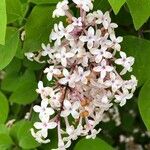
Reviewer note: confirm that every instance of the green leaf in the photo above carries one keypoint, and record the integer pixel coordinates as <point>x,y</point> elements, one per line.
<point>8,51</point>
<point>12,76</point>
<point>25,92</point>
<point>5,139</point>
<point>44,1</point>
<point>14,10</point>
<point>116,5</point>
<point>4,108</point>
<point>144,103</point>
<point>3,129</point>
<point>3,21</point>
<point>139,10</point>
<point>26,140</point>
<point>14,130</point>
<point>140,50</point>
<point>32,65</point>
<point>101,5</point>
<point>38,27</point>
<point>21,134</point>
<point>85,144</point>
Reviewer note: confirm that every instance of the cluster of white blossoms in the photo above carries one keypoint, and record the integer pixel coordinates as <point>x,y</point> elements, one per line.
<point>81,59</point>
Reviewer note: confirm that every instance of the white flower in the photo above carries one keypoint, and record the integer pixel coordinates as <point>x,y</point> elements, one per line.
<point>130,84</point>
<point>104,42</point>
<point>43,109</point>
<point>111,27</point>
<point>70,109</point>
<point>55,100</point>
<point>44,125</point>
<point>59,32</point>
<point>126,62</point>
<point>90,17</point>
<point>114,83</point>
<point>77,47</point>
<point>47,50</point>
<point>62,145</point>
<point>30,56</point>
<point>116,41</point>
<point>77,21</point>
<point>68,78</point>
<point>82,76</point>
<point>100,53</point>
<point>44,91</point>
<point>51,71</point>
<point>93,134</point>
<point>61,9</point>
<point>103,68</point>
<point>63,55</point>
<point>105,99</point>
<point>103,19</point>
<point>72,132</point>
<point>89,38</point>
<point>38,136</point>
<point>86,5</point>
<point>122,97</point>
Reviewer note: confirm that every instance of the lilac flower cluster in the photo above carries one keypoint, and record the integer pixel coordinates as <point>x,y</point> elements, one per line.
<point>81,58</point>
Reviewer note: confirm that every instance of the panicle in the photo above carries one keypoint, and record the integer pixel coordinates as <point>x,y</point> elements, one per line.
<point>82,59</point>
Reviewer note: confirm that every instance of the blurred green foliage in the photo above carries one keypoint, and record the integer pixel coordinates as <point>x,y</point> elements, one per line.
<point>17,89</point>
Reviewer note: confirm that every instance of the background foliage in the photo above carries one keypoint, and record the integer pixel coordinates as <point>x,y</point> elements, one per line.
<point>18,76</point>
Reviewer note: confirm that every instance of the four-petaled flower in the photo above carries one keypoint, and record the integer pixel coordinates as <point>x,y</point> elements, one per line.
<point>122,97</point>
<point>86,5</point>
<point>103,68</point>
<point>44,125</point>
<point>89,38</point>
<point>100,53</point>
<point>70,109</point>
<point>43,109</point>
<point>77,21</point>
<point>82,76</point>
<point>114,83</point>
<point>51,71</point>
<point>61,9</point>
<point>68,78</point>
<point>116,41</point>
<point>63,55</point>
<point>126,62</point>
<point>44,91</point>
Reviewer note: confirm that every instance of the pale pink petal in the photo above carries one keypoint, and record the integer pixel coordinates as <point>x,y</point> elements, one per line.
<point>103,74</point>
<point>49,76</point>
<point>38,125</point>
<point>52,125</point>
<point>67,104</point>
<point>44,132</point>
<point>57,71</point>
<point>65,113</point>
<point>69,55</point>
<point>123,55</point>
<point>37,108</point>
<point>65,72</point>
<point>97,69</point>
<point>64,62</point>
<point>75,114</point>
<point>63,81</point>
<point>90,44</point>
<point>83,38</point>
<point>90,31</point>
<point>50,111</point>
